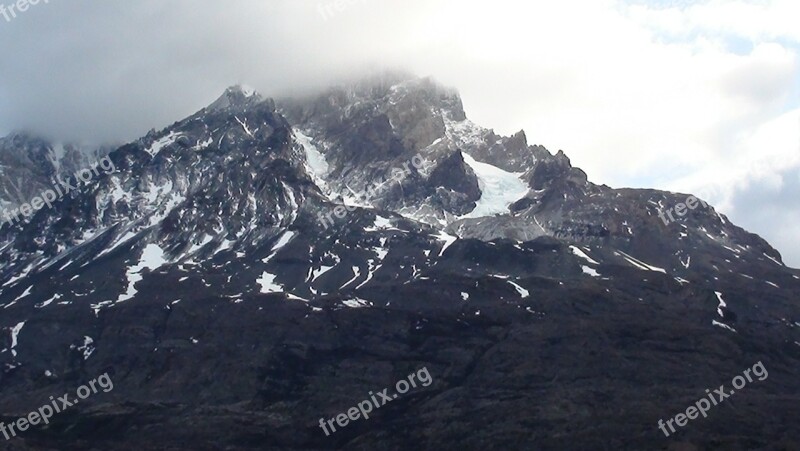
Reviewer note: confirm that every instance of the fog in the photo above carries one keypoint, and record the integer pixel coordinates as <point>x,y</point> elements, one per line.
<point>687,96</point>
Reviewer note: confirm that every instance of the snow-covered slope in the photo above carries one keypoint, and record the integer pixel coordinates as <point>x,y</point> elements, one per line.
<point>227,247</point>
<point>499,189</point>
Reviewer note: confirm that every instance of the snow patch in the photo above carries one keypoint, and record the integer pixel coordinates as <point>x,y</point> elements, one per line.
<point>88,347</point>
<point>268,285</point>
<point>500,189</point>
<point>26,293</point>
<point>776,261</point>
<point>381,223</point>
<point>357,273</point>
<point>724,326</point>
<point>316,163</point>
<point>201,145</point>
<point>152,258</point>
<point>196,247</point>
<point>247,90</point>
<point>722,304</point>
<point>282,242</point>
<point>465,133</point>
<point>372,270</point>
<point>590,271</point>
<point>14,336</point>
<point>49,301</point>
<point>244,126</point>
<point>357,303</point>
<point>641,265</point>
<point>120,241</point>
<point>580,253</point>
<point>317,273</point>
<point>159,144</point>
<point>522,292</point>
<point>448,241</point>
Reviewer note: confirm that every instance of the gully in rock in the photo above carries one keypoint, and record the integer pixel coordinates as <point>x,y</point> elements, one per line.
<point>372,191</point>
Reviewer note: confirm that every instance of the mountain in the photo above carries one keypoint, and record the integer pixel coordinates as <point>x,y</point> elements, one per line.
<point>29,164</point>
<point>264,263</point>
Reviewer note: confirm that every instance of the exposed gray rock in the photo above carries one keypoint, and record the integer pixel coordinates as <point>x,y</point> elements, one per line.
<point>234,301</point>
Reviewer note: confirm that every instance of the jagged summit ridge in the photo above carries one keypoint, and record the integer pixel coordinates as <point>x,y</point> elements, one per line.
<point>236,96</point>
<point>204,257</point>
<point>316,152</point>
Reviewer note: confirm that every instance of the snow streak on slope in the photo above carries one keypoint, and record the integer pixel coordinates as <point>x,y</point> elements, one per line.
<point>465,134</point>
<point>580,253</point>
<point>448,241</point>
<point>282,242</point>
<point>722,304</point>
<point>152,258</point>
<point>500,189</point>
<point>522,291</point>
<point>317,166</point>
<point>640,264</point>
<point>357,303</point>
<point>14,337</point>
<point>162,143</point>
<point>724,326</point>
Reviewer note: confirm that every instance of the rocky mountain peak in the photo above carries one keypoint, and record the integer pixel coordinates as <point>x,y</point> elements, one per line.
<point>236,97</point>
<point>284,251</point>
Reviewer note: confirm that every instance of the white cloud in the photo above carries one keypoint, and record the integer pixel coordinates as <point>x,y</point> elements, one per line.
<point>755,20</point>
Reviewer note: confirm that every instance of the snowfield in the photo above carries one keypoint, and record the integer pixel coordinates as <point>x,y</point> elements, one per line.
<point>500,189</point>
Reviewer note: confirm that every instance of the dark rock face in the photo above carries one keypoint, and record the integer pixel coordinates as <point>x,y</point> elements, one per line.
<point>454,174</point>
<point>550,172</point>
<point>456,184</point>
<point>234,301</point>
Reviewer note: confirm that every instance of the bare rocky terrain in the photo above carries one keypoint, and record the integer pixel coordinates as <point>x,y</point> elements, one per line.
<point>566,315</point>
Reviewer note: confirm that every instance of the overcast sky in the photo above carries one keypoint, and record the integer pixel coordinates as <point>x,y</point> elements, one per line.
<point>690,96</point>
